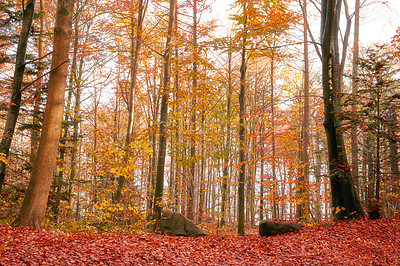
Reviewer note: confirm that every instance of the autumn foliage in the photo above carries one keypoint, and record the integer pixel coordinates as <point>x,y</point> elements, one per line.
<point>360,242</point>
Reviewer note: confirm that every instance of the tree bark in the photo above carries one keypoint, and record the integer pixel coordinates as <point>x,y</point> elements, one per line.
<point>135,48</point>
<point>225,172</point>
<point>275,211</point>
<point>32,212</point>
<point>202,173</point>
<point>262,125</point>
<point>394,159</point>
<point>242,132</point>
<point>303,206</point>
<point>157,207</point>
<point>354,142</point>
<point>36,109</point>
<point>345,201</point>
<point>15,103</point>
<point>192,165</point>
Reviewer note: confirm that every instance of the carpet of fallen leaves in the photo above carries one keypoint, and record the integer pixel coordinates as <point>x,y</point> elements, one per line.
<point>361,242</point>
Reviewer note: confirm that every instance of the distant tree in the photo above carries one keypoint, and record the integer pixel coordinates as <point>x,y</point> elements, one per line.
<point>136,42</point>
<point>303,205</point>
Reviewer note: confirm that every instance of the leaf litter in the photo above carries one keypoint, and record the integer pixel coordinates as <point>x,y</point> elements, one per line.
<point>358,242</point>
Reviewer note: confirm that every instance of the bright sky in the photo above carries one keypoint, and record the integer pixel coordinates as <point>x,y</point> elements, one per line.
<point>378,21</point>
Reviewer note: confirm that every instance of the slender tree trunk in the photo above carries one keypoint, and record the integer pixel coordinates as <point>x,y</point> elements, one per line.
<point>262,167</point>
<point>178,177</point>
<point>354,142</point>
<point>252,180</point>
<point>75,136</point>
<point>162,149</point>
<point>192,164</point>
<point>202,173</point>
<point>275,211</point>
<point>36,109</point>
<point>378,158</point>
<point>76,86</point>
<point>242,132</point>
<point>318,167</point>
<point>225,172</point>
<point>394,161</point>
<point>15,103</point>
<point>32,212</point>
<point>262,161</point>
<point>136,42</point>
<point>152,157</point>
<point>94,181</point>
<point>345,201</point>
<point>303,206</point>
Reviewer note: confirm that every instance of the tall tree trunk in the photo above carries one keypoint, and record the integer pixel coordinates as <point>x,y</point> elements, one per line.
<point>275,211</point>
<point>303,206</point>
<point>394,159</point>
<point>262,166</point>
<point>162,148</point>
<point>242,132</point>
<point>202,172</point>
<point>116,129</point>
<point>15,103</point>
<point>136,42</point>
<point>225,172</point>
<point>178,177</point>
<point>32,212</point>
<point>77,84</point>
<point>252,179</point>
<point>345,201</point>
<point>354,142</point>
<point>36,109</point>
<point>68,120</point>
<point>153,138</point>
<point>75,136</point>
<point>192,164</point>
<point>317,173</point>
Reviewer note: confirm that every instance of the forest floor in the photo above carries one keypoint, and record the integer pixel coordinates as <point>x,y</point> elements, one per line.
<point>360,242</point>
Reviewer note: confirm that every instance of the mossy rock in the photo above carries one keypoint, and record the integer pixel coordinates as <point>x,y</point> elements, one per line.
<point>175,224</point>
<point>268,228</point>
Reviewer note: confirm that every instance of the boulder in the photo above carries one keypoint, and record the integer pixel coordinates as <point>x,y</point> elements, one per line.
<point>175,224</point>
<point>268,228</point>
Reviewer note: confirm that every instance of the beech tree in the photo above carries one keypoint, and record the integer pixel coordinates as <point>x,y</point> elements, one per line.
<point>345,201</point>
<point>244,116</point>
<point>136,42</point>
<point>32,212</point>
<point>303,206</point>
<point>162,148</point>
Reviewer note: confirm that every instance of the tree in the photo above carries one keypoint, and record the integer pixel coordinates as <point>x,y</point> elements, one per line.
<point>16,97</point>
<point>356,48</point>
<point>192,165</point>
<point>376,99</point>
<point>227,142</point>
<point>136,42</point>
<point>162,148</point>
<point>36,119</point>
<point>32,212</point>
<point>303,206</point>
<point>345,201</point>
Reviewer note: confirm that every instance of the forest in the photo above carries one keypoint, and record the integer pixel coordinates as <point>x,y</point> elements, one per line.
<point>113,112</point>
